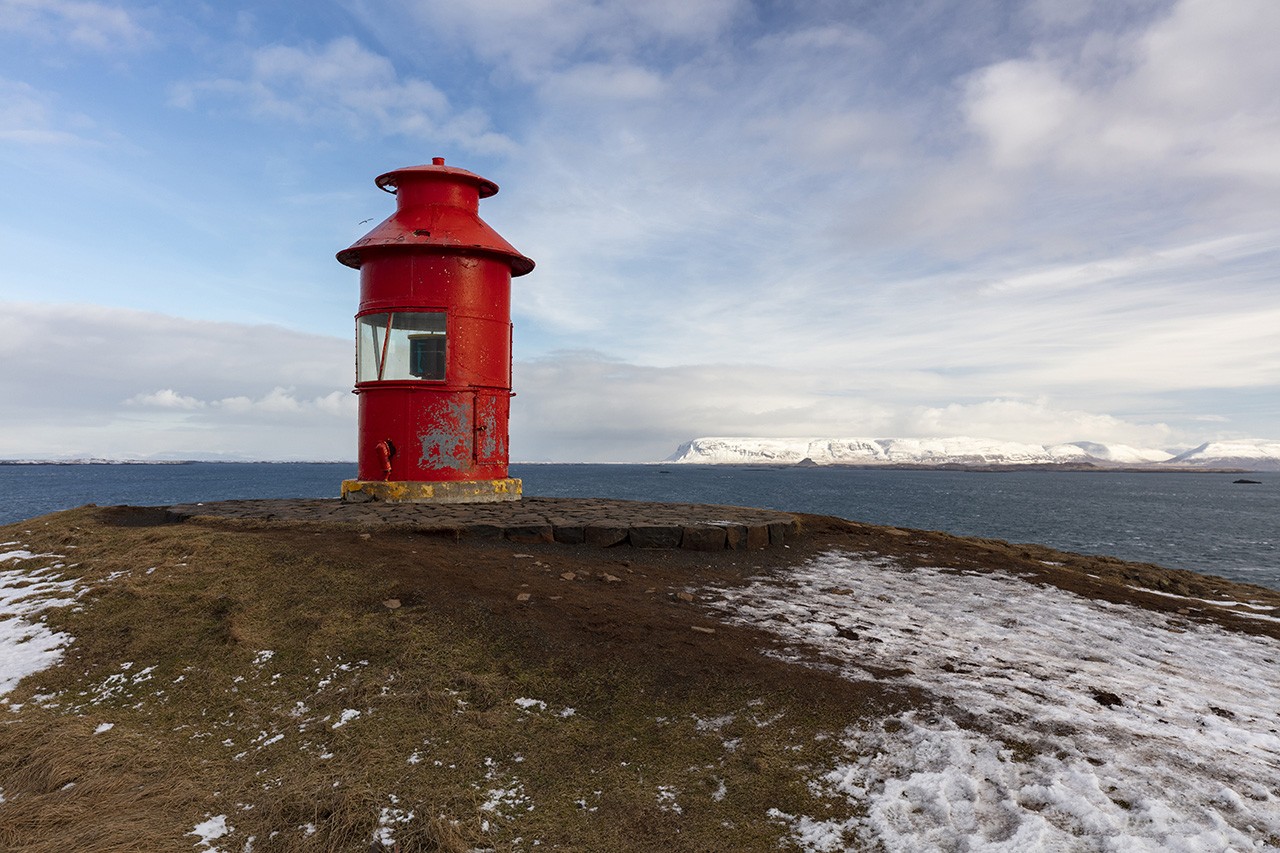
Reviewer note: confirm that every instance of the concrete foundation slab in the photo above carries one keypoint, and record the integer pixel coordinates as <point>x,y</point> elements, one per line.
<point>597,522</point>
<point>416,492</point>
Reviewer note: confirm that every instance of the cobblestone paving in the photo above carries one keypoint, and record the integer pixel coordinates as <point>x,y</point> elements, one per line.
<point>593,521</point>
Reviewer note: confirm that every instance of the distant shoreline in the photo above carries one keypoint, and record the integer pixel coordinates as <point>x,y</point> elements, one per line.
<point>1076,467</point>
<point>965,453</point>
<point>66,462</point>
<point>1066,467</point>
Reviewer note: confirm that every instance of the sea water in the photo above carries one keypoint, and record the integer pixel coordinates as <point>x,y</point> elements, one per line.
<point>1202,522</point>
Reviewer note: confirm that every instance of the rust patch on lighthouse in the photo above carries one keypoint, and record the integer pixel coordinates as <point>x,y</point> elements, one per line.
<point>491,432</point>
<point>446,436</point>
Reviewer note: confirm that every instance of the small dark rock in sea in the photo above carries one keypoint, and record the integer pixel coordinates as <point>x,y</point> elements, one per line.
<point>1250,482</point>
<point>806,463</point>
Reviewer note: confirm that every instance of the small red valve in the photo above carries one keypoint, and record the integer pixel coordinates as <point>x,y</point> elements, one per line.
<point>385,450</point>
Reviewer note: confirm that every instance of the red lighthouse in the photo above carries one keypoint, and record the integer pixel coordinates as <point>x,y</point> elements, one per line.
<point>433,344</point>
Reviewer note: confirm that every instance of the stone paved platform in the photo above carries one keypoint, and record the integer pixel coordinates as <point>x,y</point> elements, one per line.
<point>593,521</point>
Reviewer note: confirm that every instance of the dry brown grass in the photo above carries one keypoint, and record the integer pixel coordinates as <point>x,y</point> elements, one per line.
<point>68,790</point>
<point>171,652</point>
<point>171,635</point>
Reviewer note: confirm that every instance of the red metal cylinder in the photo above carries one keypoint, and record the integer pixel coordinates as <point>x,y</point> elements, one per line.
<point>433,331</point>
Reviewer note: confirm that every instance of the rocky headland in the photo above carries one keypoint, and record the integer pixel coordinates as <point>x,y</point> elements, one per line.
<point>274,675</point>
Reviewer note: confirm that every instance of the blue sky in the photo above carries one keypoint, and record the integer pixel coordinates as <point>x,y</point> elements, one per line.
<point>1040,221</point>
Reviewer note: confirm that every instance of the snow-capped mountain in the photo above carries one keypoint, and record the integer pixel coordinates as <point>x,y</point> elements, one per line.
<point>1120,454</point>
<point>1253,454</point>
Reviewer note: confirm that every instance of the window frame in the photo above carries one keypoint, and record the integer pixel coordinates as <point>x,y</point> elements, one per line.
<point>397,340</point>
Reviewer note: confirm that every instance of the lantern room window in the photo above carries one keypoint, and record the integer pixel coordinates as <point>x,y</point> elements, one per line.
<point>401,345</point>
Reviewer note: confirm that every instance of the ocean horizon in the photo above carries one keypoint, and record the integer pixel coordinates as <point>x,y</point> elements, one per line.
<point>1194,520</point>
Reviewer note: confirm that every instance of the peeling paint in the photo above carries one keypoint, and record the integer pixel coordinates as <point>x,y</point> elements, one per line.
<point>491,433</point>
<point>446,439</point>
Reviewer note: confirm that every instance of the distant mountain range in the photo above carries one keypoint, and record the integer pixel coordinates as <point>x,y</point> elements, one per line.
<point>1249,454</point>
<point>93,461</point>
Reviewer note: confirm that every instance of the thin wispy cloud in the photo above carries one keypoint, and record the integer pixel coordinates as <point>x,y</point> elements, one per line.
<point>103,27</point>
<point>29,117</point>
<point>343,85</point>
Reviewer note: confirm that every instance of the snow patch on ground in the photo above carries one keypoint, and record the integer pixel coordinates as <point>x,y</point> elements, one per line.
<point>347,716</point>
<point>1071,725</point>
<point>667,799</point>
<point>531,706</point>
<point>1222,604</point>
<point>26,645</point>
<point>502,802</point>
<point>388,819</point>
<point>211,830</point>
<point>121,686</point>
<point>1066,724</point>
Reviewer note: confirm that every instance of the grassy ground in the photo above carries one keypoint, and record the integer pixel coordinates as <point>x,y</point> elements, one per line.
<point>325,688</point>
<point>244,674</point>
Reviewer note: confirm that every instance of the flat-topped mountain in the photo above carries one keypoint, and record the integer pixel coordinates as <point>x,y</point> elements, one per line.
<point>1251,454</point>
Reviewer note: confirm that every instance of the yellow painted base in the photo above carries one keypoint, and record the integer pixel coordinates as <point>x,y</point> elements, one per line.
<point>415,492</point>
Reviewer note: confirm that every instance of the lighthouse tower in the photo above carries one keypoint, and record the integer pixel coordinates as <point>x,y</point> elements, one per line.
<point>433,344</point>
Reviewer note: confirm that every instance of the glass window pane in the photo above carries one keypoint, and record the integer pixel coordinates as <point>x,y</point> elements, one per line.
<point>412,346</point>
<point>419,321</point>
<point>370,334</point>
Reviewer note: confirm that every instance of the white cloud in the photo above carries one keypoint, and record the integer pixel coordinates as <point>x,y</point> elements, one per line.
<point>278,401</point>
<point>28,117</point>
<point>1022,107</point>
<point>97,381</point>
<point>339,403</point>
<point>682,19</point>
<point>581,406</point>
<point>599,81</point>
<point>1165,320</point>
<point>1235,350</point>
<point>102,381</point>
<point>1195,97</point>
<point>533,38</point>
<point>344,84</point>
<point>99,26</point>
<point>166,398</point>
<point>1039,422</point>
<point>286,401</point>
